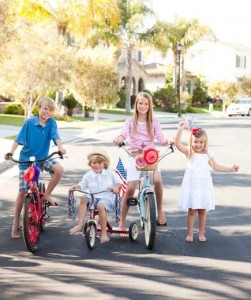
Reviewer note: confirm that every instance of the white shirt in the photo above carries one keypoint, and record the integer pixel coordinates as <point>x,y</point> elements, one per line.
<point>95,182</point>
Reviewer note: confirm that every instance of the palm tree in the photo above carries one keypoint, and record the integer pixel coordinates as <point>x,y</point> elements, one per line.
<point>133,13</point>
<point>72,16</point>
<point>166,36</point>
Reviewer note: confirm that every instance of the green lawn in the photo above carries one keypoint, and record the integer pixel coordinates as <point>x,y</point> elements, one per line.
<point>11,120</point>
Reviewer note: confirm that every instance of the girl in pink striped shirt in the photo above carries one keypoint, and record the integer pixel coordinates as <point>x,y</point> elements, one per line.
<point>140,131</point>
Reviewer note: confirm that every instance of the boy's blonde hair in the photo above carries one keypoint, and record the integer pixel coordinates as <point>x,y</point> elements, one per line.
<point>98,155</point>
<point>98,158</point>
<point>48,102</point>
<point>149,117</point>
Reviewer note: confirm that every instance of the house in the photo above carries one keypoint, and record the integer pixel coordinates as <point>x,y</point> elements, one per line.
<point>218,61</point>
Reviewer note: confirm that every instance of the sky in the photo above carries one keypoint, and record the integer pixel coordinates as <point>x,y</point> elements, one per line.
<point>230,20</point>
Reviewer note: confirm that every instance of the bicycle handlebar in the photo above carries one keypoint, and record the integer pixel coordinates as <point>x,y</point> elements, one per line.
<point>34,159</point>
<point>84,192</point>
<point>170,146</point>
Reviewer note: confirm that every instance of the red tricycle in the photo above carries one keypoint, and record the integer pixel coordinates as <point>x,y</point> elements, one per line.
<point>91,226</point>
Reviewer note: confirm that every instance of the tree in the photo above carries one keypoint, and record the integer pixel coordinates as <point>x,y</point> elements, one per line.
<point>166,36</point>
<point>244,86</point>
<point>36,66</point>
<point>133,14</point>
<point>226,90</point>
<point>199,93</point>
<point>95,80</point>
<point>72,17</point>
<point>7,28</point>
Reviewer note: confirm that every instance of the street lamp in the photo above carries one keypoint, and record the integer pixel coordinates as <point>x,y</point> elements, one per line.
<point>179,49</point>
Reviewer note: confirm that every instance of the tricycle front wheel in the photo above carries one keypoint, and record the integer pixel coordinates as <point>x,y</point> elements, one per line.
<point>90,236</point>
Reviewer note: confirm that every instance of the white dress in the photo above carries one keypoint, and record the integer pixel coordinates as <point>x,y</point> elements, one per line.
<point>197,191</point>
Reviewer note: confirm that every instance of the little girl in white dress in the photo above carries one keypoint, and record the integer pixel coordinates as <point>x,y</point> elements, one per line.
<point>197,191</point>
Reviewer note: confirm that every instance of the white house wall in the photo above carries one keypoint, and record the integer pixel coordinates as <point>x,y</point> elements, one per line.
<point>216,61</point>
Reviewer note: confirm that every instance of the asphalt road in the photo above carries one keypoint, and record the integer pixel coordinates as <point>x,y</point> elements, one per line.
<point>64,268</point>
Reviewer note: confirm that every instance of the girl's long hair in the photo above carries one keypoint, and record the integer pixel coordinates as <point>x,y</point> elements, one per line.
<point>149,116</point>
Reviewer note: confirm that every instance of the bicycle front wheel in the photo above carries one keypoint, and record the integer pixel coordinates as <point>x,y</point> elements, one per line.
<point>31,226</point>
<point>150,220</point>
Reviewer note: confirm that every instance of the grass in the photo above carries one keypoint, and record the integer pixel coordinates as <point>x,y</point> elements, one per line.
<point>13,120</point>
<point>71,122</point>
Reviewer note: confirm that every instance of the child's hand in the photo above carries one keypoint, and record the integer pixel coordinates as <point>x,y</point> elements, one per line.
<point>182,124</point>
<point>115,190</point>
<point>235,168</point>
<point>118,141</point>
<point>7,156</point>
<point>62,150</point>
<point>73,188</point>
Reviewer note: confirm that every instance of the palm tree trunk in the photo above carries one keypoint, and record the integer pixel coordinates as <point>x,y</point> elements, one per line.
<point>128,79</point>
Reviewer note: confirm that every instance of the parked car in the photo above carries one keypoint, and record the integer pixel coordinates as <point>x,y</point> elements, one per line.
<point>240,107</point>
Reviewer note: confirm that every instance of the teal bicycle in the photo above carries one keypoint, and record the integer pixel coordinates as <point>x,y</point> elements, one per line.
<point>146,161</point>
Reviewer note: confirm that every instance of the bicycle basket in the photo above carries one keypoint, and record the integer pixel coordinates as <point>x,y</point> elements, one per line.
<point>146,160</point>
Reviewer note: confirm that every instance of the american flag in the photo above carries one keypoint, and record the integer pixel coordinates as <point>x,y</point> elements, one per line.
<point>120,170</point>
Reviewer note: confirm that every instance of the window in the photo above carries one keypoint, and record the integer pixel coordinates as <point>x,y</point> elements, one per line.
<point>241,61</point>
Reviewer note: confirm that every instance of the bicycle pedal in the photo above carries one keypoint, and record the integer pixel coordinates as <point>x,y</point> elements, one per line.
<point>132,201</point>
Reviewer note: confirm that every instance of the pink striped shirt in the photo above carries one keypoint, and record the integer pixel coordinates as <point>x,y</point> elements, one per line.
<point>140,139</point>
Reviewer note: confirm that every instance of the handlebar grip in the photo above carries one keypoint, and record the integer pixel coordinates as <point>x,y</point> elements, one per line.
<point>60,154</point>
<point>9,154</point>
<point>121,144</point>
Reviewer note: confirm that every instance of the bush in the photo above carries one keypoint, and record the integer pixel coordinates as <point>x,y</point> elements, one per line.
<point>70,102</point>
<point>13,109</point>
<point>165,97</point>
<point>122,98</point>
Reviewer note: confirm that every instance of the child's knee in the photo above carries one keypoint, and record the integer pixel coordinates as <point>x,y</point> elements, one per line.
<point>83,200</point>
<point>58,169</point>
<point>100,207</point>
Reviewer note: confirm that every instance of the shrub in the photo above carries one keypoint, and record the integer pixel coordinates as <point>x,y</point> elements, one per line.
<point>70,102</point>
<point>12,109</point>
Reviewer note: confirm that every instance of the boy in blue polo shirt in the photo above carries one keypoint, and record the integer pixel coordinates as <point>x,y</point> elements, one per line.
<point>35,137</point>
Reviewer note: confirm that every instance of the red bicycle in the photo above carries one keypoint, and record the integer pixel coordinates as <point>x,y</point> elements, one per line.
<point>34,210</point>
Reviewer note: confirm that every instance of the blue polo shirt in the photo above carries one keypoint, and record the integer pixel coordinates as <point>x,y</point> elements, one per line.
<point>36,139</point>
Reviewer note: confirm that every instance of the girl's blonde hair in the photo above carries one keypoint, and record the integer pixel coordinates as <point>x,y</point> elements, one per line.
<point>199,134</point>
<point>48,102</point>
<point>149,116</point>
<point>98,158</point>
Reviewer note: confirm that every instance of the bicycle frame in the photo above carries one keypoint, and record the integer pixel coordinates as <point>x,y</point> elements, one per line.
<point>145,188</point>
<point>147,204</point>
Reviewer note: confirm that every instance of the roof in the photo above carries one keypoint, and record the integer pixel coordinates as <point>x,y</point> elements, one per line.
<point>155,69</point>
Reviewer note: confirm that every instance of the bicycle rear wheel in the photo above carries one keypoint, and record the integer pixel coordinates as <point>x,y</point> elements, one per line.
<point>150,220</point>
<point>31,226</point>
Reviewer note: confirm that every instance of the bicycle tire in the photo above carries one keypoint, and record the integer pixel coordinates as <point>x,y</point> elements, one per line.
<point>31,227</point>
<point>133,232</point>
<point>90,236</point>
<point>41,187</point>
<point>150,220</point>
